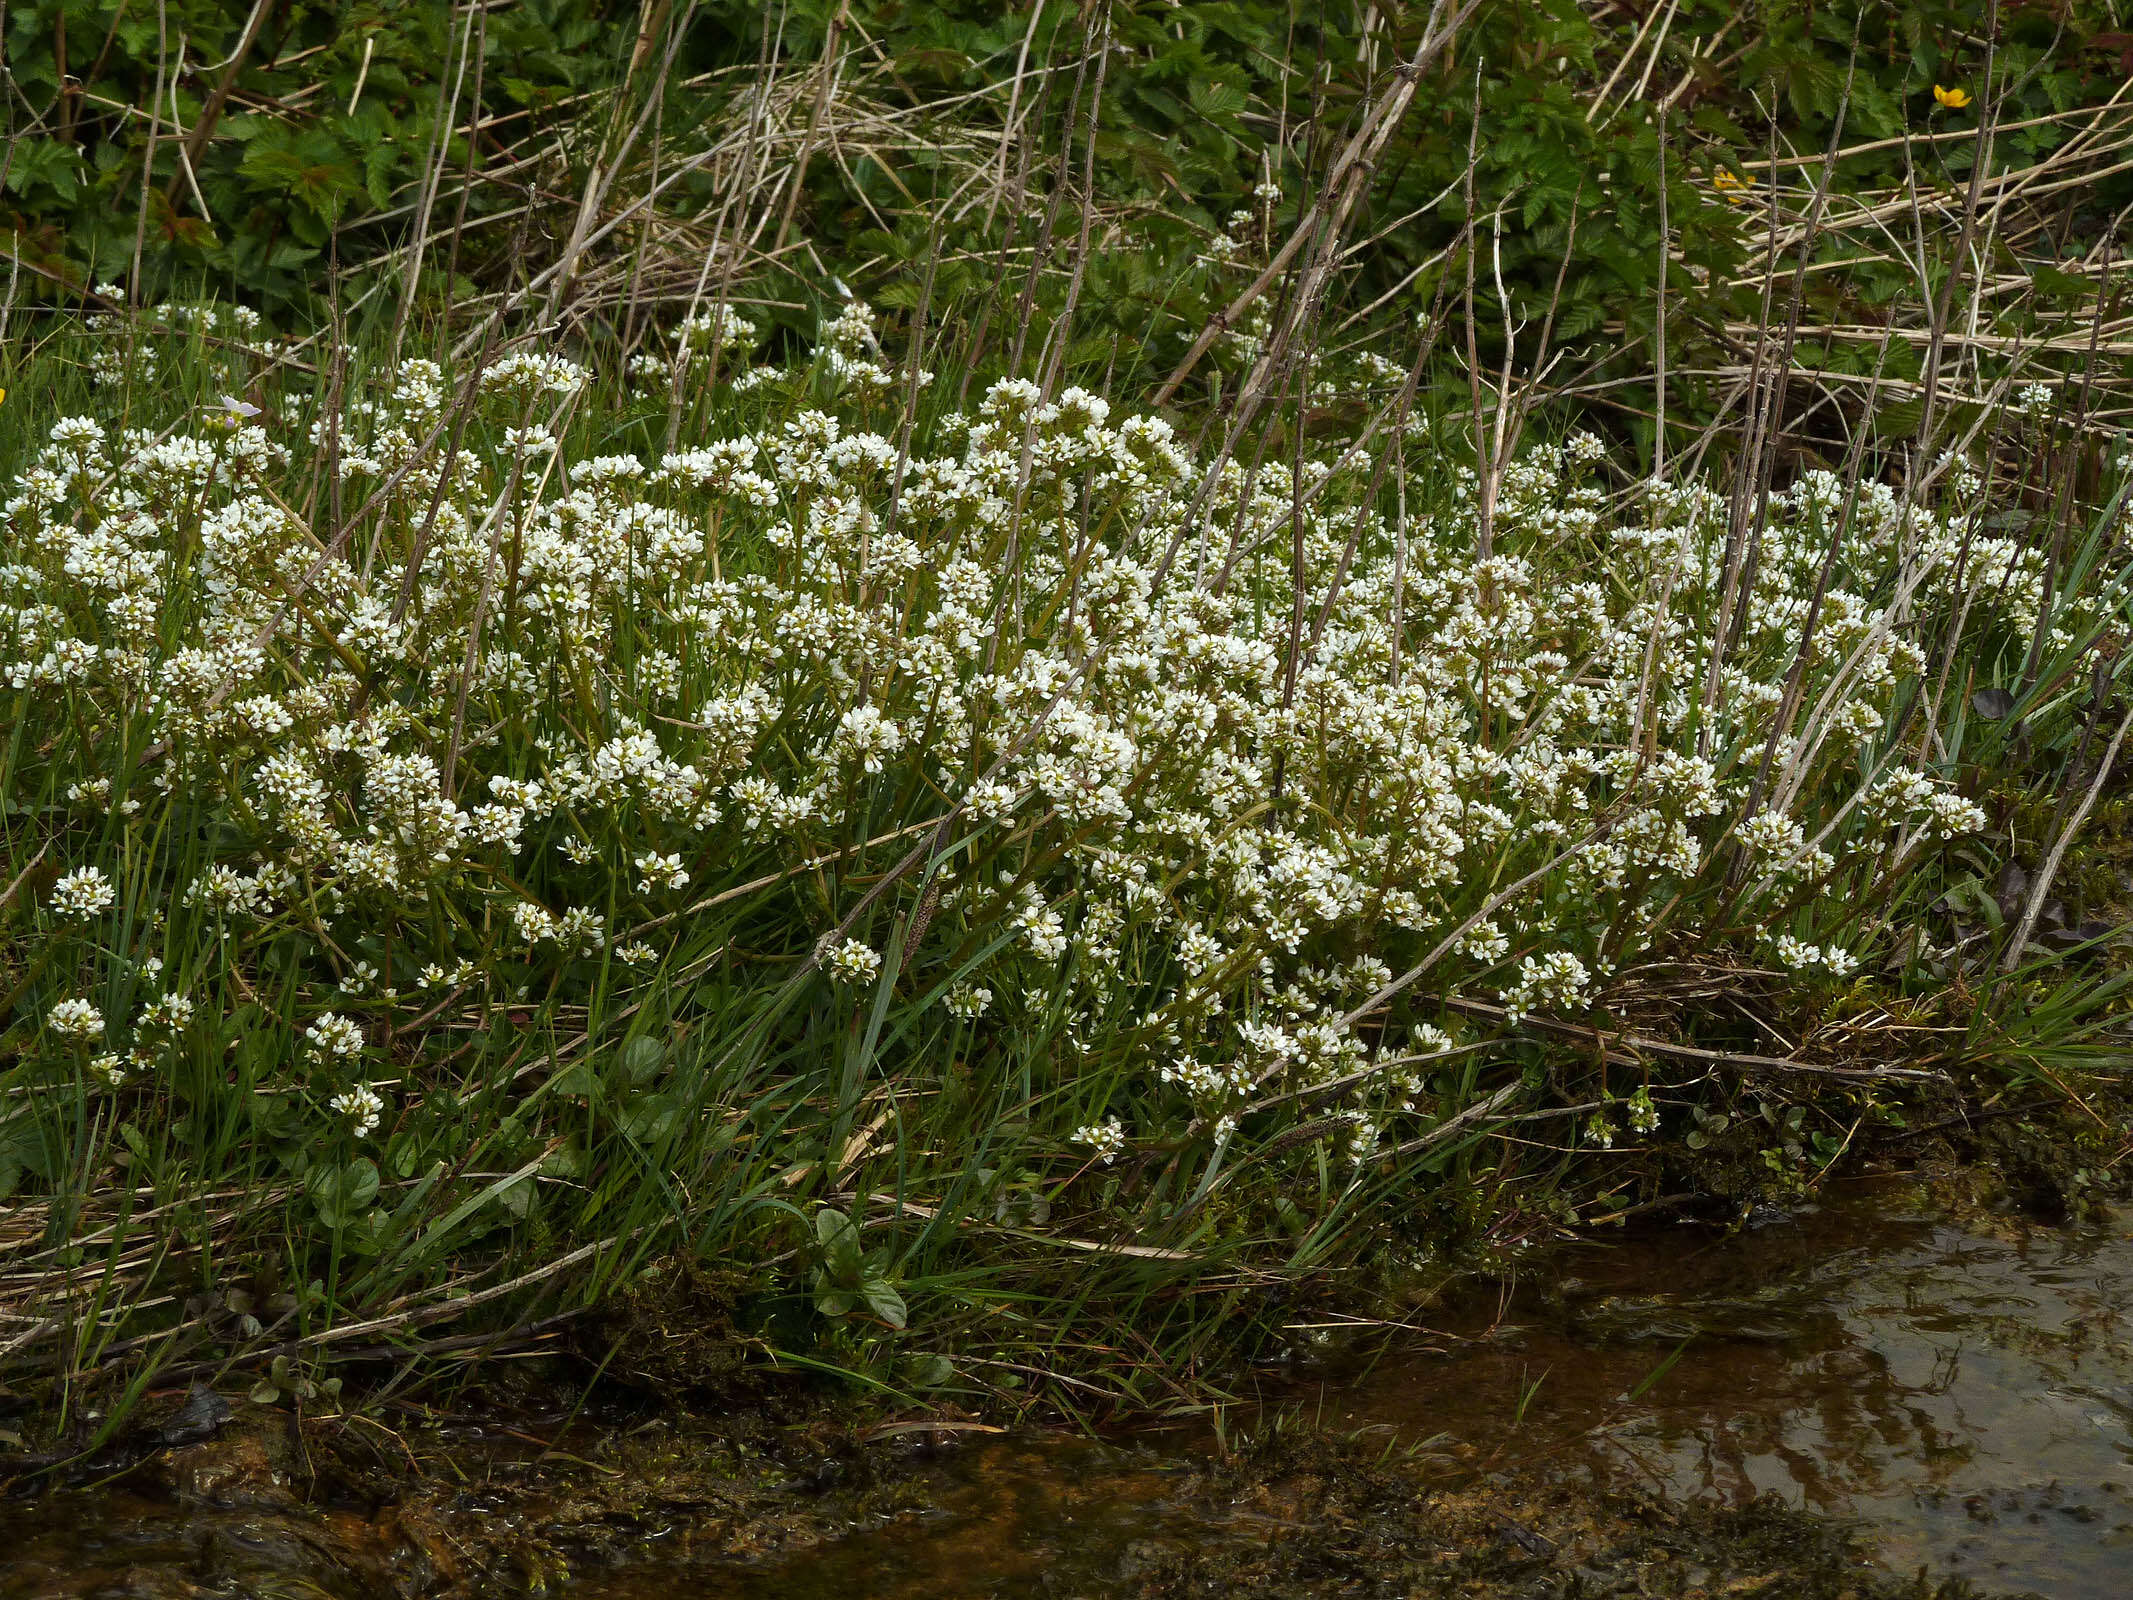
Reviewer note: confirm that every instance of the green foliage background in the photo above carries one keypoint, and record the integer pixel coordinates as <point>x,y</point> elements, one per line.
<point>1563,104</point>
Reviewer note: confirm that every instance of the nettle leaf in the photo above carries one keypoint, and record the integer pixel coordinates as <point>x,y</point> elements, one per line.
<point>46,163</point>
<point>309,167</point>
<point>379,164</point>
<point>1218,99</point>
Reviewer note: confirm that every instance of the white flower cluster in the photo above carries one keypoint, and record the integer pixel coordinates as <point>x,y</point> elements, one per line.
<point>1800,956</point>
<point>75,1019</point>
<point>850,961</point>
<point>1173,798</point>
<point>83,893</point>
<point>1106,1138</point>
<point>362,1106</point>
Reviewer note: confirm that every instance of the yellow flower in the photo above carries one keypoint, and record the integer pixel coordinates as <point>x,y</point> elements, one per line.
<point>1953,99</point>
<point>1732,188</point>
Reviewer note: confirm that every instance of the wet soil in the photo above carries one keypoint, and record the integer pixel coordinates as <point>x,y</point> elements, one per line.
<point>1828,1404</point>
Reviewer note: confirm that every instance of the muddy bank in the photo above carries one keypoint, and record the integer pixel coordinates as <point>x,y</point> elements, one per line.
<point>644,1515</point>
<point>1823,1403</point>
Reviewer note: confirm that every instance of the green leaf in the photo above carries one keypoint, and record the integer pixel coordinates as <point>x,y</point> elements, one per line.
<point>309,167</point>
<point>882,1299</point>
<point>342,1192</point>
<point>45,162</point>
<point>642,1057</point>
<point>575,1081</point>
<point>932,1371</point>
<point>2062,285</point>
<point>838,1236</point>
<point>1218,99</point>
<point>649,1118</point>
<point>516,1198</point>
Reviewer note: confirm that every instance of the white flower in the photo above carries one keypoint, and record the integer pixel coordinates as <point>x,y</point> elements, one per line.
<point>334,1037</point>
<point>530,441</point>
<point>1362,1139</point>
<point>660,872</point>
<point>1797,953</point>
<point>991,801</point>
<point>1107,1138</point>
<point>1953,815</point>
<point>852,962</point>
<point>362,1106</point>
<point>170,1014</point>
<point>1558,978</point>
<point>83,893</point>
<point>1643,1115</point>
<point>581,929</point>
<point>75,1019</point>
<point>867,737</point>
<point>1771,832</point>
<point>532,923</point>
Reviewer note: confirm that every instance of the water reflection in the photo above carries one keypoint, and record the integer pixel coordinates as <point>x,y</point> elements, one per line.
<point>1969,1394</point>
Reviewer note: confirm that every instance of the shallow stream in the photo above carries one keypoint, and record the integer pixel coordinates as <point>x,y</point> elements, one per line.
<point>1964,1392</point>
<point>1967,1394</point>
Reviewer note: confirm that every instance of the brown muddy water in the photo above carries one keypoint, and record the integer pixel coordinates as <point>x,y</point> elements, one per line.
<point>1963,1392</point>
<point>1966,1392</point>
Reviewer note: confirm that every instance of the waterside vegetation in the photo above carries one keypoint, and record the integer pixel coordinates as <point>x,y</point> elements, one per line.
<point>992,795</point>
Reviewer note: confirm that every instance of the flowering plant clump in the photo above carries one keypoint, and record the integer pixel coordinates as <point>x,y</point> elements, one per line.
<point>574,801</point>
